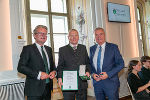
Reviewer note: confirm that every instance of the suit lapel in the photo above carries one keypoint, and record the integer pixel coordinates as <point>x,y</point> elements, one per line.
<point>78,51</point>
<point>37,52</point>
<point>48,52</point>
<point>92,55</point>
<point>93,51</point>
<point>106,54</point>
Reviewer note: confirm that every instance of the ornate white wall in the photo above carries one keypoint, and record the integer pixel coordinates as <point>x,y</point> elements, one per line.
<point>15,29</point>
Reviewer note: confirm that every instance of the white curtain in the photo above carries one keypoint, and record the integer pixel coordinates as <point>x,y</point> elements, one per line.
<point>12,91</point>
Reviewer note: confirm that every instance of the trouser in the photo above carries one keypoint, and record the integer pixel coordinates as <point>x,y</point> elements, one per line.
<point>45,96</point>
<point>81,94</point>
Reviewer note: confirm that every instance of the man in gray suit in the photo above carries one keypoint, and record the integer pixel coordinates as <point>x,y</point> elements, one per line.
<point>71,57</point>
<point>36,62</point>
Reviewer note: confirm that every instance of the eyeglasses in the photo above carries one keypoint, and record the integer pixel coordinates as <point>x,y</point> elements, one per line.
<point>41,34</point>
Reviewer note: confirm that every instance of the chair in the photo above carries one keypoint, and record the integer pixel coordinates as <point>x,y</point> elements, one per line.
<point>130,92</point>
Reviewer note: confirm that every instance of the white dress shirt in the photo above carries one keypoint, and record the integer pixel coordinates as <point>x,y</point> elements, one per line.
<point>73,45</point>
<point>102,56</point>
<point>39,48</point>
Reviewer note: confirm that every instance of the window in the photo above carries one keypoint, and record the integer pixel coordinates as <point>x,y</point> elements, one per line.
<point>140,32</point>
<point>55,15</point>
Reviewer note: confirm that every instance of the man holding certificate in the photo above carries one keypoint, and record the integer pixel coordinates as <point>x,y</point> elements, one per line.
<point>73,62</point>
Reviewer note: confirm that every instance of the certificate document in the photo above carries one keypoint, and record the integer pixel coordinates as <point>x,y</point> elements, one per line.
<point>70,80</point>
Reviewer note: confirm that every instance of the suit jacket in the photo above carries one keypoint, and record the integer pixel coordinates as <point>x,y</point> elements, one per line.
<point>70,60</point>
<point>112,63</point>
<point>144,75</point>
<point>30,63</point>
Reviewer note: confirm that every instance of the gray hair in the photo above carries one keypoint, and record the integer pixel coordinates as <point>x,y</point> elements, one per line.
<point>39,26</point>
<point>99,28</point>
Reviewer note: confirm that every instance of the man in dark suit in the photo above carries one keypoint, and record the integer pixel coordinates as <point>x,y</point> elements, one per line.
<point>71,59</point>
<point>144,74</point>
<point>106,61</point>
<point>36,62</point>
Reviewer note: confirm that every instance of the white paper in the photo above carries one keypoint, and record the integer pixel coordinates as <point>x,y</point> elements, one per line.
<point>70,80</point>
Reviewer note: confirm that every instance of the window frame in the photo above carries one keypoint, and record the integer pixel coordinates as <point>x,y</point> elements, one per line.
<point>140,6</point>
<point>28,13</point>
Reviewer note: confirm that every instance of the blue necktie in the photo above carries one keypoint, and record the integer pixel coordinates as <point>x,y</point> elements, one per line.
<point>45,63</point>
<point>98,60</point>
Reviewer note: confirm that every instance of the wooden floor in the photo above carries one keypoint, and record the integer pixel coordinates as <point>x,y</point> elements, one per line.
<point>91,98</point>
<point>124,98</point>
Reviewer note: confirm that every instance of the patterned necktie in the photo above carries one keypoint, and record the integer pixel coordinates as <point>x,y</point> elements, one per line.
<point>99,60</point>
<point>74,47</point>
<point>45,63</point>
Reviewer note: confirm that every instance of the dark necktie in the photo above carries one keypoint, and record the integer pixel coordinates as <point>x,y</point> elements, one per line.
<point>98,60</point>
<point>45,63</point>
<point>74,47</point>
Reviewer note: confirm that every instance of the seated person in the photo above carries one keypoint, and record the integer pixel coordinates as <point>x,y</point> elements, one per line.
<point>144,74</point>
<point>138,88</point>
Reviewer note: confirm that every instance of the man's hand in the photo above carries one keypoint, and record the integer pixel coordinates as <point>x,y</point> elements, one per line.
<point>44,76</point>
<point>52,74</point>
<point>96,77</point>
<point>147,91</point>
<point>103,75</point>
<point>87,74</point>
<point>60,82</point>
